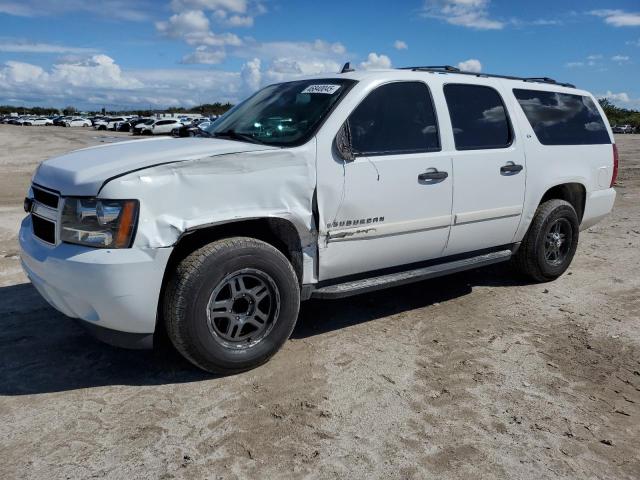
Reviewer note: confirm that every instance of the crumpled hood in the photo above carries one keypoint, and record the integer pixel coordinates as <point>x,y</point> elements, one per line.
<point>83,172</point>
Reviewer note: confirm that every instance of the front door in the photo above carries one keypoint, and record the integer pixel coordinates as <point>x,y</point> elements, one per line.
<point>392,204</point>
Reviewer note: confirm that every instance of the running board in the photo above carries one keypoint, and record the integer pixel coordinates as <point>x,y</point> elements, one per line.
<point>366,285</point>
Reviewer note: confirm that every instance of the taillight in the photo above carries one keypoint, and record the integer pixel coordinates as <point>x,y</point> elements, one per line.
<point>614,177</point>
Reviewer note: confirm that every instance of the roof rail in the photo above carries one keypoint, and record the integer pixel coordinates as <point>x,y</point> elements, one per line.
<point>446,68</point>
<point>450,69</point>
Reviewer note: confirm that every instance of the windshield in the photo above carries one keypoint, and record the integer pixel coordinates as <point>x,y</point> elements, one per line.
<point>282,115</point>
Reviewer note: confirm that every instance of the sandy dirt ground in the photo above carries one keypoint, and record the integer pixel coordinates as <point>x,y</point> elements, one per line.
<point>478,375</point>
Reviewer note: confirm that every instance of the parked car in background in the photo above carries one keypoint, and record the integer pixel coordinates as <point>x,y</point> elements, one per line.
<point>623,129</point>
<point>161,127</point>
<point>108,123</point>
<point>193,129</point>
<point>25,120</point>
<point>40,121</point>
<point>78,122</point>
<point>137,129</point>
<point>130,124</point>
<point>59,120</point>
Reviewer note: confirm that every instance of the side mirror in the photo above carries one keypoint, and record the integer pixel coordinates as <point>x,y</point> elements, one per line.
<point>343,143</point>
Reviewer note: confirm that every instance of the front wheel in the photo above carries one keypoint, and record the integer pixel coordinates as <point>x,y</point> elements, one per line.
<point>231,305</point>
<point>551,242</point>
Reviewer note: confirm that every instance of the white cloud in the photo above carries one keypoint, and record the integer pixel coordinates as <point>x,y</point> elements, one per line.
<point>545,22</point>
<point>615,97</point>
<point>221,16</point>
<point>618,18</point>
<point>184,23</point>
<point>375,61</point>
<point>20,72</point>
<point>16,46</point>
<point>620,58</point>
<point>255,73</point>
<point>400,45</point>
<point>471,65</point>
<point>635,43</point>
<point>251,75</point>
<point>191,23</point>
<point>238,6</point>
<point>231,13</point>
<point>129,10</point>
<point>205,56</point>
<point>95,71</point>
<point>97,81</point>
<point>192,26</point>
<point>239,21</point>
<point>597,60</point>
<point>283,69</point>
<point>212,39</point>
<point>465,13</point>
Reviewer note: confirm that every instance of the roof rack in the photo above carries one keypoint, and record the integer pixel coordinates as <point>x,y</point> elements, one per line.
<point>450,69</point>
<point>435,68</point>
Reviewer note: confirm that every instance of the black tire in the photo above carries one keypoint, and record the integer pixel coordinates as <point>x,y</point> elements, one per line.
<point>532,258</point>
<point>193,286</point>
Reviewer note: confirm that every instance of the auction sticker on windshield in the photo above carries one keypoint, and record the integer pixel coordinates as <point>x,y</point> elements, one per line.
<point>328,89</point>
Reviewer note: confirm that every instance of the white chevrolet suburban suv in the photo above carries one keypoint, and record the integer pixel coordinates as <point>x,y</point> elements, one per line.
<point>317,188</point>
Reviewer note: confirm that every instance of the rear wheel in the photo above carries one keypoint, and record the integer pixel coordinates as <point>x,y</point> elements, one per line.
<point>231,305</point>
<point>551,242</point>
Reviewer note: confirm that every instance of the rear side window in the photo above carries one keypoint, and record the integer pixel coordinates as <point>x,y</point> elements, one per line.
<point>563,119</point>
<point>395,118</point>
<point>478,117</point>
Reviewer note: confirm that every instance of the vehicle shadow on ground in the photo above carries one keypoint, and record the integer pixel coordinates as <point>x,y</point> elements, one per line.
<point>43,351</point>
<point>318,317</point>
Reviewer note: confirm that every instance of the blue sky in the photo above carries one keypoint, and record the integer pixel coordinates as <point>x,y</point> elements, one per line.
<point>153,53</point>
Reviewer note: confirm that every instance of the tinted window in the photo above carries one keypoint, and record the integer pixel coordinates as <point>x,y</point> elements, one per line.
<point>478,117</point>
<point>395,118</point>
<point>563,119</point>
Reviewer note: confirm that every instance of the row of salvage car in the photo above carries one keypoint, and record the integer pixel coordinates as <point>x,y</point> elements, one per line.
<point>179,126</point>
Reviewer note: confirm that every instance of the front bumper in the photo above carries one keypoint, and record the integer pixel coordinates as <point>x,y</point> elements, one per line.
<point>114,289</point>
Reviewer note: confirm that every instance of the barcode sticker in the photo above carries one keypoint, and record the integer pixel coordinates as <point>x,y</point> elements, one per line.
<point>327,89</point>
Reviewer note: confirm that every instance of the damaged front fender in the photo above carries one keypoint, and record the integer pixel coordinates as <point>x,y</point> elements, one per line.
<point>176,198</point>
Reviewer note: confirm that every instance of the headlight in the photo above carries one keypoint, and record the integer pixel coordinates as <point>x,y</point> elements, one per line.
<point>99,223</point>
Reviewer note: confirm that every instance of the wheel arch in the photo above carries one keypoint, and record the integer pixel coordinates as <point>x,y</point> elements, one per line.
<point>573,192</point>
<point>279,232</point>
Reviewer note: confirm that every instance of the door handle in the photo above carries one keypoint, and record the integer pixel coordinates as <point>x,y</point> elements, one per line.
<point>511,168</point>
<point>432,174</point>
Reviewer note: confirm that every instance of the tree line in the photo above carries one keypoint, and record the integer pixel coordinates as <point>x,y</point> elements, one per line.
<point>620,116</point>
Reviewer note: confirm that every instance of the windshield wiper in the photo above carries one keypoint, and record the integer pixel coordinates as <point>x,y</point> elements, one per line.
<point>231,134</point>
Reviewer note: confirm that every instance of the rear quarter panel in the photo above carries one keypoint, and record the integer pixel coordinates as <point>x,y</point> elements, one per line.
<point>552,165</point>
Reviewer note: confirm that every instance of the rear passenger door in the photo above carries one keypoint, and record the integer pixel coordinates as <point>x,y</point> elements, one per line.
<point>489,169</point>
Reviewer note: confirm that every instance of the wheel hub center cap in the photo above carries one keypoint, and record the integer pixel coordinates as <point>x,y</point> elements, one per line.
<point>242,305</point>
